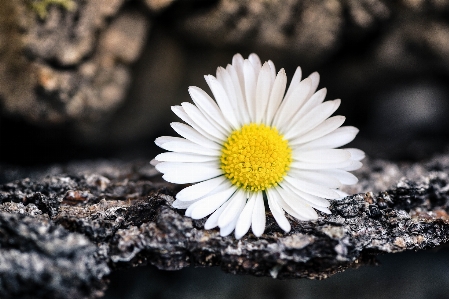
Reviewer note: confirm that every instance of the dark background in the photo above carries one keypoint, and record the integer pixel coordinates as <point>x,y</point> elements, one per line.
<point>387,61</point>
<point>402,275</point>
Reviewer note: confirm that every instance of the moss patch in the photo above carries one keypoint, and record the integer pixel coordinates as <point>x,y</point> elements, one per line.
<point>41,6</point>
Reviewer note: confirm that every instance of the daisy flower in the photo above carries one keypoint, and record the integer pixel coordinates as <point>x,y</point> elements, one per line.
<point>253,145</point>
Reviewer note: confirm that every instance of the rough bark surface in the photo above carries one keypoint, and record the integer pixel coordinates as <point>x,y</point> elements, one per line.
<point>74,228</point>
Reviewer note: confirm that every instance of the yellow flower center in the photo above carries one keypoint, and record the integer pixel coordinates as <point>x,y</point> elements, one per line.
<point>256,157</point>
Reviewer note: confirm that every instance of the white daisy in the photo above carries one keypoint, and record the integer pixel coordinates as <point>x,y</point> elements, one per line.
<point>254,144</point>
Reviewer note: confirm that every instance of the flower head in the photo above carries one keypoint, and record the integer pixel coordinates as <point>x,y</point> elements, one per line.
<point>256,143</point>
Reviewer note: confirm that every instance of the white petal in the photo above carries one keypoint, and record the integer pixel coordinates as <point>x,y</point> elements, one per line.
<point>351,166</point>
<point>312,119</point>
<point>250,88</point>
<point>324,128</point>
<point>198,117</point>
<point>239,94</point>
<point>316,202</point>
<point>322,155</point>
<point>312,200</point>
<point>346,178</point>
<point>184,173</point>
<point>272,71</point>
<point>198,190</point>
<point>212,221</point>
<point>244,220</point>
<point>193,135</point>
<point>315,77</point>
<point>177,204</point>
<point>237,202</point>
<point>285,206</point>
<point>164,139</point>
<point>174,166</point>
<point>258,217</point>
<point>255,62</point>
<point>277,93</point>
<point>189,210</point>
<point>191,205</point>
<point>315,100</point>
<point>337,138</point>
<point>238,63</point>
<point>168,167</point>
<point>342,194</point>
<point>210,203</point>
<point>179,111</point>
<point>186,146</point>
<point>299,206</point>
<point>324,210</point>
<point>224,77</point>
<point>314,166</point>
<point>237,59</point>
<point>291,105</point>
<point>225,186</point>
<point>222,100</point>
<point>208,107</point>
<point>263,92</point>
<point>314,189</point>
<point>184,157</point>
<point>277,211</point>
<point>227,230</point>
<point>356,154</point>
<point>318,178</point>
<point>154,162</point>
<point>295,81</point>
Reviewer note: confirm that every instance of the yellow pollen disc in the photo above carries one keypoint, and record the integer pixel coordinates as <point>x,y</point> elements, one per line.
<point>256,157</point>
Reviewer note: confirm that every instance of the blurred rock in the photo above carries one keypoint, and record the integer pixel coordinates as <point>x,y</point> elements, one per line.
<point>312,31</point>
<point>67,62</point>
<point>292,26</point>
<point>309,30</point>
<point>154,89</point>
<point>158,5</point>
<point>70,61</point>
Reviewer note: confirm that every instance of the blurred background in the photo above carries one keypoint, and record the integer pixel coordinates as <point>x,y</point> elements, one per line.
<point>403,275</point>
<point>89,80</point>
